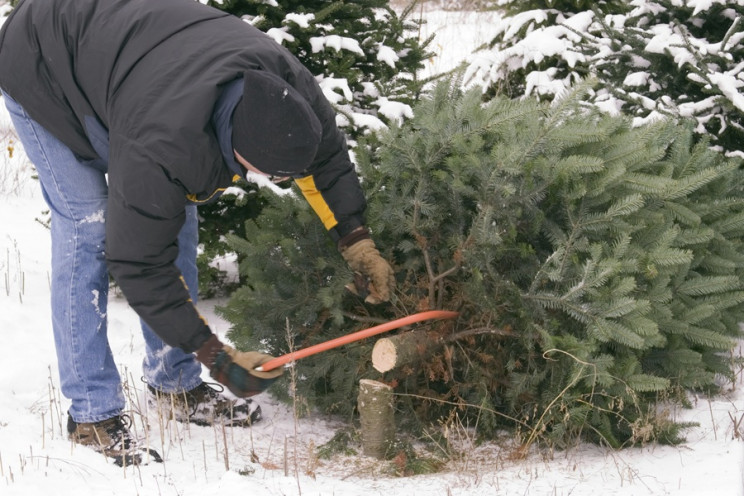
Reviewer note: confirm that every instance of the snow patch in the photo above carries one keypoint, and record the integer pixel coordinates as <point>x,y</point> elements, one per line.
<point>98,217</point>
<point>729,86</point>
<point>338,43</point>
<point>395,111</point>
<point>280,35</point>
<point>302,20</point>
<point>387,55</point>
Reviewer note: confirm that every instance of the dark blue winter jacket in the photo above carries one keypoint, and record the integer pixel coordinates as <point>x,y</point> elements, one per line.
<point>149,73</point>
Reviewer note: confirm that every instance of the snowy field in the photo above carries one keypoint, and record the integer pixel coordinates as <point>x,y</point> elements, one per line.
<point>277,456</point>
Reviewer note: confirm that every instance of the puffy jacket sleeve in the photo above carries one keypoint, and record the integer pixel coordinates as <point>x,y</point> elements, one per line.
<point>145,215</point>
<point>330,185</point>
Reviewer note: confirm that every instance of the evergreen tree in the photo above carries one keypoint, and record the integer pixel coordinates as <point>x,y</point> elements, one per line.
<point>216,221</point>
<point>364,55</point>
<point>650,58</point>
<point>575,6</point>
<point>596,266</point>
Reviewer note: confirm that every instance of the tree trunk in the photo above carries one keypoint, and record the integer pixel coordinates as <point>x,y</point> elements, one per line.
<point>409,347</point>
<point>375,404</point>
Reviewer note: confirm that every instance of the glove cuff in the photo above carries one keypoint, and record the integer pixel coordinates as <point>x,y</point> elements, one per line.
<point>207,353</point>
<point>354,236</point>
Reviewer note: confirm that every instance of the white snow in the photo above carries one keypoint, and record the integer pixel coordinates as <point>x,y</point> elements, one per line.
<point>336,90</point>
<point>302,20</point>
<point>260,180</point>
<point>97,217</point>
<point>280,35</point>
<point>636,79</point>
<point>387,55</point>
<point>729,84</point>
<point>276,457</point>
<point>338,43</point>
<point>395,111</point>
<point>368,120</point>
<point>528,18</point>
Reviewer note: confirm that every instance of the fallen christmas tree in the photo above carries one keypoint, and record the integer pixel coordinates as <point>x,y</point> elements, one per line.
<point>596,268</point>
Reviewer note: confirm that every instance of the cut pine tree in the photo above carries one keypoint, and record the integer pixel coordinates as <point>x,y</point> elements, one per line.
<point>406,348</point>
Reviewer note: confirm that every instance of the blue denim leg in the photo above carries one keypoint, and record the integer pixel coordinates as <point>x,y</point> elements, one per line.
<point>76,195</point>
<point>166,368</point>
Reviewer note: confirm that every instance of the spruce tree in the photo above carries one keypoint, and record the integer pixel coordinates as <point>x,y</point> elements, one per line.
<point>515,7</point>
<point>651,59</point>
<point>596,267</point>
<point>365,55</point>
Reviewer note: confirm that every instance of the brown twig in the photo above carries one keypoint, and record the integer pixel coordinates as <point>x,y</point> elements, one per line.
<point>480,330</point>
<point>361,318</point>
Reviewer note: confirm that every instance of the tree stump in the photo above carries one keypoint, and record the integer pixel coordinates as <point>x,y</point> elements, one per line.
<point>391,352</point>
<point>375,403</point>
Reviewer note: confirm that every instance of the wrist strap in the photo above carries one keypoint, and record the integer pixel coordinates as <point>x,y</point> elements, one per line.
<point>354,236</point>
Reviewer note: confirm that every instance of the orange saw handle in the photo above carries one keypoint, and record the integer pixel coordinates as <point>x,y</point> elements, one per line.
<point>355,336</point>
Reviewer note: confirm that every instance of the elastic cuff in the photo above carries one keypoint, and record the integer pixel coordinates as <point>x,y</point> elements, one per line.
<point>354,236</point>
<point>196,339</point>
<point>346,226</point>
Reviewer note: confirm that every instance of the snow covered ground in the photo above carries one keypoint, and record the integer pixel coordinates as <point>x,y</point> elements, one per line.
<point>277,457</point>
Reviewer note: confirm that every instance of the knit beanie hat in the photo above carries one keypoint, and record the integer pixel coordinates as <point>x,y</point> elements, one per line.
<point>273,126</point>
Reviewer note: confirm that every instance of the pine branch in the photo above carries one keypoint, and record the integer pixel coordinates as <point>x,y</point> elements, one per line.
<point>729,33</point>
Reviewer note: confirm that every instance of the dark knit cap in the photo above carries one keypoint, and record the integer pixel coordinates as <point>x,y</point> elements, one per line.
<point>273,127</point>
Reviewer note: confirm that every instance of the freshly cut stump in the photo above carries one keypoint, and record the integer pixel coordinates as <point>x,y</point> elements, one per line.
<point>375,404</point>
<point>407,348</point>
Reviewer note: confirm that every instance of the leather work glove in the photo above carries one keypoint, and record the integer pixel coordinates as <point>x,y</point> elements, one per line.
<point>236,369</point>
<point>363,257</point>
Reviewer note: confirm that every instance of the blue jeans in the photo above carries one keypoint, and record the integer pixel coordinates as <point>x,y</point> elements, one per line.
<point>76,193</point>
